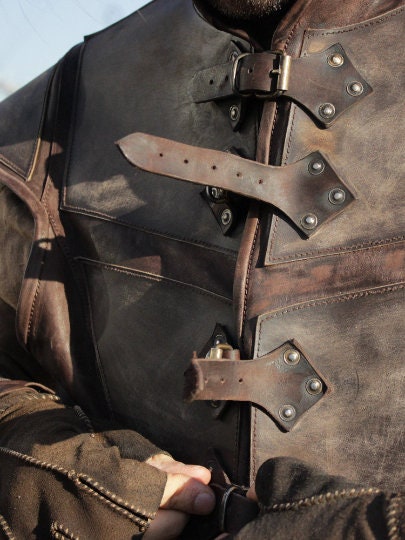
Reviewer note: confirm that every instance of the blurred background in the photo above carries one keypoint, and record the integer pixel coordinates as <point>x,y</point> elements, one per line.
<point>34,34</point>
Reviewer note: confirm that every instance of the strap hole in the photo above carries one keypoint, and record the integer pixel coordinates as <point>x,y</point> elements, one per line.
<point>186,161</point>
<point>241,380</point>
<point>214,167</point>
<point>161,155</point>
<point>226,78</point>
<point>212,81</point>
<point>238,174</point>
<point>250,70</point>
<point>260,180</point>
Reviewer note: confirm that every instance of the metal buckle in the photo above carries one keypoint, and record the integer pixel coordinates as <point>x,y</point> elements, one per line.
<point>280,74</point>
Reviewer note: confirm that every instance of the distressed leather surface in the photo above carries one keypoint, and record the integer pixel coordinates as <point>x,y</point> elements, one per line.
<point>340,293</point>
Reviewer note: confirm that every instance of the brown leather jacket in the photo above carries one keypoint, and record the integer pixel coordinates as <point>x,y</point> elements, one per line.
<point>297,260</point>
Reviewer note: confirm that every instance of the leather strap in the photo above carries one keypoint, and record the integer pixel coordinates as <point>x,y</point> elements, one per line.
<point>283,383</point>
<point>304,190</point>
<point>313,81</point>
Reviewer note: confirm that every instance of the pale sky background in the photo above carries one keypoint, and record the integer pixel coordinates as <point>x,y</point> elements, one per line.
<point>34,34</point>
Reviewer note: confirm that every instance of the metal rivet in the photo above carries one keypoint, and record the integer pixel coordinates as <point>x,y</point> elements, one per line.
<point>233,56</point>
<point>287,413</point>
<point>234,113</point>
<point>215,193</point>
<point>336,60</point>
<point>327,110</point>
<point>226,217</point>
<point>314,386</point>
<point>292,357</point>
<point>355,88</point>
<point>309,221</point>
<point>337,196</point>
<point>316,166</point>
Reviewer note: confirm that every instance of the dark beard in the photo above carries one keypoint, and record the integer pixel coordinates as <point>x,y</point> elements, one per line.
<point>247,9</point>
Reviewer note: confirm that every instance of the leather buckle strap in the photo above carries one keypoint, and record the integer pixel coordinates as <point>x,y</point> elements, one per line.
<point>309,191</point>
<point>326,83</point>
<point>282,383</point>
<point>245,82</point>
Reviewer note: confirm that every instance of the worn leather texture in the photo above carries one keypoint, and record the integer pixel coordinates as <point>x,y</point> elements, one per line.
<point>129,271</point>
<point>339,293</point>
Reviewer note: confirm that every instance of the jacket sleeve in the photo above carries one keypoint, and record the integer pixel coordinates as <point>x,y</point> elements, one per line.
<point>298,501</point>
<point>62,475</point>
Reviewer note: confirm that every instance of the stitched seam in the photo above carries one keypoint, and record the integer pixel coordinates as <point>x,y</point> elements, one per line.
<point>254,462</point>
<point>361,25</point>
<point>60,532</point>
<point>109,217</point>
<point>330,497</point>
<point>5,528</point>
<point>152,277</point>
<point>393,523</point>
<point>84,418</point>
<point>341,249</point>
<point>89,485</point>
<point>333,300</point>
<point>290,137</point>
<point>9,164</point>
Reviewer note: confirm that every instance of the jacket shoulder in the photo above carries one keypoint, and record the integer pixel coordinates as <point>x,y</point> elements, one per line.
<point>21,119</point>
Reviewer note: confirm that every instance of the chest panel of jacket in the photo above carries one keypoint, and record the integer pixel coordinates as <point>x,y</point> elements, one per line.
<point>340,292</point>
<point>159,270</point>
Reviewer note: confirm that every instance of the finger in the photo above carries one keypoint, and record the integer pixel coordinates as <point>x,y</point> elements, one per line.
<point>168,524</point>
<point>187,495</point>
<point>169,465</point>
<point>251,494</point>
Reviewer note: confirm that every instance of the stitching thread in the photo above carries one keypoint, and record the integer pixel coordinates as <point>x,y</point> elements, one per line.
<point>89,485</point>
<point>60,532</point>
<point>333,300</point>
<point>326,498</point>
<point>393,523</point>
<point>5,528</point>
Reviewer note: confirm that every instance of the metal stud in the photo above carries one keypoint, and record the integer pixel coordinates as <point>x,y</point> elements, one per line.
<point>215,193</point>
<point>337,196</point>
<point>309,221</point>
<point>355,88</point>
<point>316,166</point>
<point>314,387</point>
<point>336,60</point>
<point>233,56</point>
<point>234,113</point>
<point>226,217</point>
<point>327,110</point>
<point>292,357</point>
<point>287,413</point>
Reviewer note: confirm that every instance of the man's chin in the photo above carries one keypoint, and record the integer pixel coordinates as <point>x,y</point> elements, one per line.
<point>247,9</point>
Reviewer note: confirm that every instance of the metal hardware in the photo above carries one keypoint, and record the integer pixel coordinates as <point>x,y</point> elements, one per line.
<point>316,166</point>
<point>327,110</point>
<point>215,193</point>
<point>280,73</point>
<point>234,113</point>
<point>217,352</point>
<point>314,387</point>
<point>287,413</point>
<point>336,60</point>
<point>226,217</point>
<point>292,357</point>
<point>337,196</point>
<point>309,221</point>
<point>355,88</point>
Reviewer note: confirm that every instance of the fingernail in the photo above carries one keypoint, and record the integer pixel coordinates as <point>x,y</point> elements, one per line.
<point>204,503</point>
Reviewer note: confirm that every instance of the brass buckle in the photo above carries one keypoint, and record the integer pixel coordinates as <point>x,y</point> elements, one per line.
<point>280,73</point>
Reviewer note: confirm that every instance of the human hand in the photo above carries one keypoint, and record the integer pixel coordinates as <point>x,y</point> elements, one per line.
<point>186,493</point>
